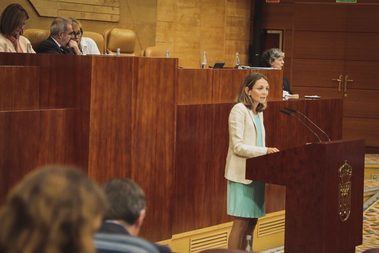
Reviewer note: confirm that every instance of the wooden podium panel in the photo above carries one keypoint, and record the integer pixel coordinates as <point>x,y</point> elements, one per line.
<point>324,194</point>
<point>19,87</point>
<point>62,78</point>
<point>213,86</point>
<point>227,84</point>
<point>121,123</point>
<point>29,139</point>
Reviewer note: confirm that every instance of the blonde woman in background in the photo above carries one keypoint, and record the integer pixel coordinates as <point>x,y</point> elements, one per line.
<point>86,44</point>
<point>52,210</point>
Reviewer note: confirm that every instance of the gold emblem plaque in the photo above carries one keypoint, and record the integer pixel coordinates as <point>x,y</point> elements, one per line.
<point>344,191</point>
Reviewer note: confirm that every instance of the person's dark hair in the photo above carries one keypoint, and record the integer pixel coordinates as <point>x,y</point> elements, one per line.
<point>13,16</point>
<point>126,200</point>
<point>249,81</point>
<point>270,55</point>
<point>52,210</point>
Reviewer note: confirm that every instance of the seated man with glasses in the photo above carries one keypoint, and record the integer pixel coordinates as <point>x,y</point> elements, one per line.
<point>86,44</point>
<point>60,40</point>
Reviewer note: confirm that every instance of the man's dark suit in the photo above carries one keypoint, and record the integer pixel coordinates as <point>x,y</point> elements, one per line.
<point>114,228</point>
<point>49,46</point>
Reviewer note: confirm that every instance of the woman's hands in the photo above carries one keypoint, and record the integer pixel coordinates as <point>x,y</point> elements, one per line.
<point>74,45</point>
<point>272,150</point>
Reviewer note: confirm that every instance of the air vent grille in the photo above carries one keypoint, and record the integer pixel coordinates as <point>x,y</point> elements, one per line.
<point>271,227</point>
<point>213,241</point>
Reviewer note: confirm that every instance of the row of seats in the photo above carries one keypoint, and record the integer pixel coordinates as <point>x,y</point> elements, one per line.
<point>108,43</point>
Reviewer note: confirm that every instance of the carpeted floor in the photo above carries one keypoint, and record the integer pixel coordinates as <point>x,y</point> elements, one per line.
<point>370,215</point>
<point>372,159</point>
<point>370,228</point>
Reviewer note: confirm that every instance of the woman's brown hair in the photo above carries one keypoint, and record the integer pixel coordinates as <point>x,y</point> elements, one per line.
<point>52,210</point>
<point>250,81</point>
<point>12,17</point>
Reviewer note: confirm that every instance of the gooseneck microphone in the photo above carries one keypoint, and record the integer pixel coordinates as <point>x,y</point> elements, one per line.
<point>309,120</point>
<point>292,114</point>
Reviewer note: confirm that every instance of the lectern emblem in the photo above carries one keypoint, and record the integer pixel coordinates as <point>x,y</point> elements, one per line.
<point>345,173</point>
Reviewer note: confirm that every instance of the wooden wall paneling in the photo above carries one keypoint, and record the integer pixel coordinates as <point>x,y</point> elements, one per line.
<point>353,103</point>
<point>98,10</point>
<point>29,139</point>
<point>319,45</point>
<point>366,128</point>
<point>227,84</point>
<point>153,140</point>
<point>364,74</point>
<point>191,27</point>
<point>277,127</point>
<point>363,17</point>
<point>307,17</point>
<point>110,118</point>
<point>287,73</point>
<point>59,81</point>
<point>237,27</point>
<point>277,16</point>
<point>278,124</point>
<point>318,111</point>
<point>322,92</point>
<point>275,196</point>
<point>234,46</point>
<point>186,42</point>
<point>82,79</point>
<point>317,73</point>
<point>187,33</point>
<point>216,191</point>
<point>194,176</point>
<point>287,44</point>
<point>57,141</point>
<point>285,132</point>
<point>194,86</point>
<point>359,46</point>
<point>213,29</point>
<point>19,87</point>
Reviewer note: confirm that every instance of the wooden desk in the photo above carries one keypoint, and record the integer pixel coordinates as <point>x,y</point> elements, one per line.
<point>143,118</point>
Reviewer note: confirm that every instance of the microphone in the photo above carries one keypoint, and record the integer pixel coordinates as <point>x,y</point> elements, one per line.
<point>290,113</point>
<point>310,121</point>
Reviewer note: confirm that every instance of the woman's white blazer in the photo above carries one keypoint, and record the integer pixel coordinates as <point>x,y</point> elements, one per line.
<point>242,142</point>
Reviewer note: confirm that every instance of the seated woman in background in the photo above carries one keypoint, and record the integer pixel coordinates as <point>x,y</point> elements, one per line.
<point>274,58</point>
<point>12,25</point>
<point>86,45</point>
<point>52,210</point>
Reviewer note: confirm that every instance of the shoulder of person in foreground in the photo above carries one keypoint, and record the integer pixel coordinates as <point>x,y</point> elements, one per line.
<point>122,243</point>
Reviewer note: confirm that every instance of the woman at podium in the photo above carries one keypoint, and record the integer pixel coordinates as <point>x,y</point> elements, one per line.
<point>245,198</point>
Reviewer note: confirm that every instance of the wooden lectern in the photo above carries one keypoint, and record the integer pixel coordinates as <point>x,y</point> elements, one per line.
<point>324,194</point>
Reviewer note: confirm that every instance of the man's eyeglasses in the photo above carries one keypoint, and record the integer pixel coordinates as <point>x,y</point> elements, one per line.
<point>75,34</point>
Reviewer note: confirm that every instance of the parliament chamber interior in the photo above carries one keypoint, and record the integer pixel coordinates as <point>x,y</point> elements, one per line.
<point>153,106</point>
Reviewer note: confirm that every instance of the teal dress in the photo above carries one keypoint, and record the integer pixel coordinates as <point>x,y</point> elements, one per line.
<point>247,200</point>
